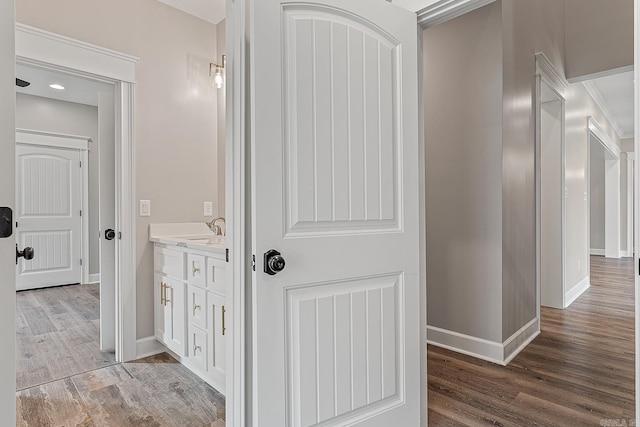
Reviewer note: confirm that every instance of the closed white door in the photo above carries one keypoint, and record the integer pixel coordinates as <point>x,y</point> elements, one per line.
<point>48,215</point>
<point>335,178</point>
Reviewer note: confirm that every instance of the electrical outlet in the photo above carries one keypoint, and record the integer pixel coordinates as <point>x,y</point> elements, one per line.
<point>208,208</point>
<point>145,207</point>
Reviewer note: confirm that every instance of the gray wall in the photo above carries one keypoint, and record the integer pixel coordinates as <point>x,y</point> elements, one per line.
<point>528,27</point>
<point>596,202</point>
<point>463,148</point>
<point>49,115</point>
<point>221,40</point>
<point>599,36</point>
<point>175,108</point>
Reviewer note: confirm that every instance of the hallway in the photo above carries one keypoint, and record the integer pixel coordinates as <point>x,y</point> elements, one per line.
<point>578,372</point>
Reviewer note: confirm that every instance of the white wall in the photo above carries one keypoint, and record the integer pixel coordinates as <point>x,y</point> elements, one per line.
<point>596,202</point>
<point>49,115</point>
<point>175,108</point>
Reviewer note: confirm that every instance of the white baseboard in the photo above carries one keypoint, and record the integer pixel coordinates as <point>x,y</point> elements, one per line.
<point>575,292</point>
<point>94,278</point>
<point>597,252</point>
<point>518,341</point>
<point>626,254</point>
<point>148,346</point>
<point>491,351</point>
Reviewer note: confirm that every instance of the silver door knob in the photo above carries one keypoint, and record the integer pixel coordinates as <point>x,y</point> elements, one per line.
<point>273,262</point>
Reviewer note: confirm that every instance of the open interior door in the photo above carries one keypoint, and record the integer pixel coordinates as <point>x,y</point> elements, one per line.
<point>335,214</point>
<point>7,201</point>
<point>106,145</point>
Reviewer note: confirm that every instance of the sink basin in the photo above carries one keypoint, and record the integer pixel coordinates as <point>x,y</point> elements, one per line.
<point>216,240</point>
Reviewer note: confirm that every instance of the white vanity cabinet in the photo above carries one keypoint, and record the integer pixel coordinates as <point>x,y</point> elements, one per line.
<point>169,299</point>
<point>190,311</point>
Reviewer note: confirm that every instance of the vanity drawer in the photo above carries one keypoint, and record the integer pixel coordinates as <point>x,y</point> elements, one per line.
<point>197,306</point>
<point>196,269</point>
<point>169,262</point>
<point>198,347</point>
<point>216,275</point>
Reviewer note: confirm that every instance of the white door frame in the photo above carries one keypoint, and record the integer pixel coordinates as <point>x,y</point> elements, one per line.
<point>80,143</point>
<point>548,75</point>
<point>45,49</point>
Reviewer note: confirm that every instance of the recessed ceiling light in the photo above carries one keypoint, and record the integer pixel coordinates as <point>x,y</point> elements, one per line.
<point>56,86</point>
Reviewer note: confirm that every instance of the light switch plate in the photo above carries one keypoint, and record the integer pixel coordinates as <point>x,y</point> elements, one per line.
<point>145,207</point>
<point>208,208</point>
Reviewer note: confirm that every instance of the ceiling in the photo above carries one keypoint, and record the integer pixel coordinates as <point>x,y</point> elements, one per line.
<point>76,89</point>
<point>614,95</point>
<point>209,10</point>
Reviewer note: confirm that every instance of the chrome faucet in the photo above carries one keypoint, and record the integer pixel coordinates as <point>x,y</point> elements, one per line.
<point>215,227</point>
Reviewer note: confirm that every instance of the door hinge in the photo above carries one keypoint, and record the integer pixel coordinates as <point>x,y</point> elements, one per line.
<point>16,224</point>
<point>227,254</point>
<point>81,212</point>
<point>253,263</point>
<point>80,163</point>
<point>119,235</point>
<point>80,261</point>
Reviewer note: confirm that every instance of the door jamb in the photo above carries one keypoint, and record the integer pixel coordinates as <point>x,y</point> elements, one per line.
<point>237,191</point>
<point>45,49</point>
<point>72,142</point>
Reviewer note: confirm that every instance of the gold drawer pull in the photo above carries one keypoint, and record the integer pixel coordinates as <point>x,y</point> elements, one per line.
<point>196,306</point>
<point>194,269</point>
<point>223,327</point>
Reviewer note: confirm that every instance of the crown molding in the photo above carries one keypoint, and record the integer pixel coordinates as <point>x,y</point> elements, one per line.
<point>445,10</point>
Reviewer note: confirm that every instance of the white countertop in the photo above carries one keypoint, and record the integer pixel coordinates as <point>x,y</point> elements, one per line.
<point>193,235</point>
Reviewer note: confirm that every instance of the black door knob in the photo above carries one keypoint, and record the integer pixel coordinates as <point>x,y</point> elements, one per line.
<point>273,262</point>
<point>27,253</point>
<point>109,234</point>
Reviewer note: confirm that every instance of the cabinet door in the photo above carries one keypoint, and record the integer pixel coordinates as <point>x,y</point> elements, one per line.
<point>217,345</point>
<point>198,347</point>
<point>161,312</point>
<point>197,306</point>
<point>216,275</point>
<point>196,269</point>
<point>176,299</point>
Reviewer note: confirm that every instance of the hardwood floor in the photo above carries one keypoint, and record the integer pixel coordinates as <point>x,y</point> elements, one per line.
<point>67,381</point>
<point>578,372</point>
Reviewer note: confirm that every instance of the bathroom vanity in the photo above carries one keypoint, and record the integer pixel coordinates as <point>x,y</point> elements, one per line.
<point>189,297</point>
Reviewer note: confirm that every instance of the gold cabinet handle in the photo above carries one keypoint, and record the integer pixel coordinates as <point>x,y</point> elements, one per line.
<point>223,327</point>
<point>166,286</point>
<point>196,347</point>
<point>194,269</point>
<point>196,306</point>
<point>162,285</point>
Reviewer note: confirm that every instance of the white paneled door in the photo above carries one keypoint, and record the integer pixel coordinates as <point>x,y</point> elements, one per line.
<point>48,214</point>
<point>335,191</point>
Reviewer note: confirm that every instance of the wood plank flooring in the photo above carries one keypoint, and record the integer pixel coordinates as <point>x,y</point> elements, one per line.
<point>57,334</point>
<point>64,380</point>
<point>578,372</point>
